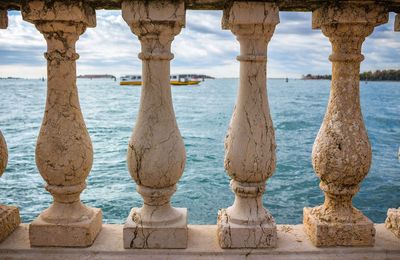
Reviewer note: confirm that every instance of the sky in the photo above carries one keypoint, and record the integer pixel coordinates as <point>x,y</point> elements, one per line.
<point>201,47</point>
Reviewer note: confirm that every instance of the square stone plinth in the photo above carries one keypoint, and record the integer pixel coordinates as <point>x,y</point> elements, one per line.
<point>232,235</point>
<point>9,220</point>
<point>323,234</point>
<point>152,236</point>
<point>79,234</point>
<point>393,221</point>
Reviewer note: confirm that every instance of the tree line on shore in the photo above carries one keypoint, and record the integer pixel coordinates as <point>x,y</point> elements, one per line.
<point>378,75</point>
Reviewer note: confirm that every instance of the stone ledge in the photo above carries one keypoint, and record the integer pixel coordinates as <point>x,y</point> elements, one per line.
<point>202,244</point>
<point>284,5</point>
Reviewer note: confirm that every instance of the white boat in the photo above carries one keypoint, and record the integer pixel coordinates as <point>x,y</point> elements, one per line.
<point>176,80</point>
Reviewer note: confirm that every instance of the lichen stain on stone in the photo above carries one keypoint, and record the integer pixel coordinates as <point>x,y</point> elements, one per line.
<point>341,154</point>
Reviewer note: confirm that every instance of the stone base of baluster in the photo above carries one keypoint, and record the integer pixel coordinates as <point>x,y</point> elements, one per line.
<point>324,234</point>
<point>232,235</point>
<point>9,220</point>
<point>393,221</point>
<point>167,235</point>
<point>78,234</point>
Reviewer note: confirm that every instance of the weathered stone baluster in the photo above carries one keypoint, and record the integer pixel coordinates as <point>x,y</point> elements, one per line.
<point>393,221</point>
<point>341,153</point>
<point>9,215</point>
<point>393,215</point>
<point>156,153</point>
<point>64,153</point>
<point>250,143</point>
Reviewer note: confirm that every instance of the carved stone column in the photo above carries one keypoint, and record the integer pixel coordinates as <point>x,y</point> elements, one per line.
<point>64,153</point>
<point>156,153</point>
<point>393,215</point>
<point>341,153</point>
<point>9,215</point>
<point>250,143</point>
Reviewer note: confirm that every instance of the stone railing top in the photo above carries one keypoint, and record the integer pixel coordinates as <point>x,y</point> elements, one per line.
<point>284,5</point>
<point>37,10</point>
<point>255,13</point>
<point>349,15</point>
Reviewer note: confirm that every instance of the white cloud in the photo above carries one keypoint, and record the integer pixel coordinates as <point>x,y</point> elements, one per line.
<point>201,47</point>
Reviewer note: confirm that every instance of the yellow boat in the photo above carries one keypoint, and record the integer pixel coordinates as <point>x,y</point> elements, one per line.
<point>175,80</point>
<point>135,80</point>
<point>183,80</point>
<point>178,83</point>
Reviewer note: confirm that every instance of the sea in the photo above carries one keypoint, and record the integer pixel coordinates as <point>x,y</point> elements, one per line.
<point>203,114</point>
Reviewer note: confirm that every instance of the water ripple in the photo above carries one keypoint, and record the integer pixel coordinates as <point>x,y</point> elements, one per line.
<point>203,115</point>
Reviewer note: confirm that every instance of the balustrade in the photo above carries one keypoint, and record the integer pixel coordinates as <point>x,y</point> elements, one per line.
<point>341,154</point>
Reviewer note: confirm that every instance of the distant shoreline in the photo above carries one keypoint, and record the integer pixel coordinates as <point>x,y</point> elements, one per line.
<point>378,75</point>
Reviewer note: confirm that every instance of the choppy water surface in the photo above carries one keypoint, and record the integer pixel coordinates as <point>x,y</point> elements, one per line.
<point>203,113</point>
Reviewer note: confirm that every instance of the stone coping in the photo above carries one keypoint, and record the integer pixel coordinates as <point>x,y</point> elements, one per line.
<point>284,5</point>
<point>202,244</point>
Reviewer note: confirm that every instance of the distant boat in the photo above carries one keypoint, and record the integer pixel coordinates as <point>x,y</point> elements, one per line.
<point>135,80</point>
<point>182,79</point>
<point>97,76</point>
<point>176,80</point>
<point>287,79</point>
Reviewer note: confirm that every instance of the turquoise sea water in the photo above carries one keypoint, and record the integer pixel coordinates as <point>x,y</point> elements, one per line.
<point>203,114</point>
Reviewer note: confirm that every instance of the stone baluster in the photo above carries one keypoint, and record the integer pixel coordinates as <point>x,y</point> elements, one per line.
<point>64,153</point>
<point>156,153</point>
<point>250,143</point>
<point>9,215</point>
<point>341,153</point>
<point>393,215</point>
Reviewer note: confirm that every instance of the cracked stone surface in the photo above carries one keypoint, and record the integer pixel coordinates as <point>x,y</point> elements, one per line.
<point>9,215</point>
<point>141,234</point>
<point>156,153</point>
<point>64,153</point>
<point>341,154</point>
<point>250,142</point>
<point>3,154</point>
<point>393,221</point>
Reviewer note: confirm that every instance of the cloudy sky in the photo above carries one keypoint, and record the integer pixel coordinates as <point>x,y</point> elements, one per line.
<point>202,47</point>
